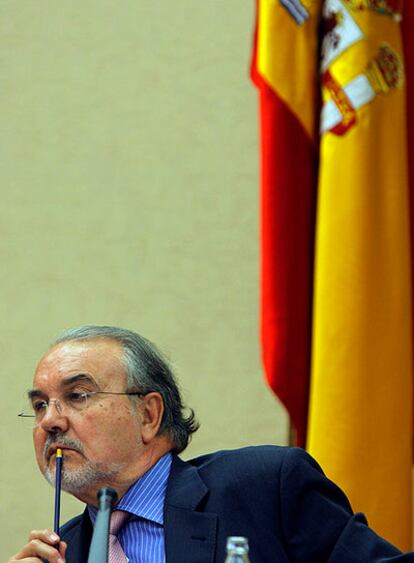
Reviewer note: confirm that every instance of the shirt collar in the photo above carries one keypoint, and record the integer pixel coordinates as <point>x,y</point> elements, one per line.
<point>145,498</point>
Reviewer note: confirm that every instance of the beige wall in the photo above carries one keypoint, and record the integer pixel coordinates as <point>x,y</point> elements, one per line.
<point>129,197</point>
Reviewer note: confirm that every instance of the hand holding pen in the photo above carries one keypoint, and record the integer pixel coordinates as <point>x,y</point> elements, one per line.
<point>45,544</point>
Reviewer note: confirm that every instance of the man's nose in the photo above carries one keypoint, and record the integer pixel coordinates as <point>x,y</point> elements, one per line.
<point>54,417</point>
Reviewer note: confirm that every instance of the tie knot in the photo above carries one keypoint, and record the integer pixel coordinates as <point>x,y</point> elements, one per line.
<point>118,519</point>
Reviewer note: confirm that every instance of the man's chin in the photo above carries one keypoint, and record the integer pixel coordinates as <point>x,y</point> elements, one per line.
<point>73,479</point>
<point>78,480</point>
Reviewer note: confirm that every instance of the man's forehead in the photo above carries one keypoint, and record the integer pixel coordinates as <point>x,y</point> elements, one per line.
<point>98,357</point>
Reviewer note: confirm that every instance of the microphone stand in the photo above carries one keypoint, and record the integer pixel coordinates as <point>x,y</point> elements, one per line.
<point>98,552</point>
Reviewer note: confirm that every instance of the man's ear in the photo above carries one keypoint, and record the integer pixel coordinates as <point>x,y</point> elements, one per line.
<point>152,409</point>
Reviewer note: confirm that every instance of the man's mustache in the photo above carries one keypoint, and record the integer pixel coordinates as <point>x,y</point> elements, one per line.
<point>60,440</point>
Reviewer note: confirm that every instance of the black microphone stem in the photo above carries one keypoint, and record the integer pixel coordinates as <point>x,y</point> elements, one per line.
<point>98,552</point>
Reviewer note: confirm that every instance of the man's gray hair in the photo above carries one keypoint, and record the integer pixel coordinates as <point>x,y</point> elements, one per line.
<point>147,370</point>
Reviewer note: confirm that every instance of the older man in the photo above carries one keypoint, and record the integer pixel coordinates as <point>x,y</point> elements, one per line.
<point>108,399</point>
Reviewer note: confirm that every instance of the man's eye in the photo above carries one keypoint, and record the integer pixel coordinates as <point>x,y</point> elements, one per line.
<point>77,397</point>
<point>39,406</point>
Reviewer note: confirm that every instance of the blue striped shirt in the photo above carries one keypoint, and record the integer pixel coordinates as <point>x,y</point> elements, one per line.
<point>142,537</point>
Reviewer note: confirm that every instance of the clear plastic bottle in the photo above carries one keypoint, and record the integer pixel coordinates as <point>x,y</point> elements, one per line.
<point>237,550</point>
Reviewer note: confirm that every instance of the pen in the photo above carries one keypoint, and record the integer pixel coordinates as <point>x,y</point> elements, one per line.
<point>59,459</point>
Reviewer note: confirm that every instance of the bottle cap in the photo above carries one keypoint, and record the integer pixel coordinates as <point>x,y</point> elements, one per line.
<point>237,545</point>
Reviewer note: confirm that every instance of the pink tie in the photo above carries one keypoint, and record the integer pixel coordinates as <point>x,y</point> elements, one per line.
<point>116,553</point>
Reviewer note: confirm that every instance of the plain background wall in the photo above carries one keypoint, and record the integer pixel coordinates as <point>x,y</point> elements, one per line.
<point>129,196</point>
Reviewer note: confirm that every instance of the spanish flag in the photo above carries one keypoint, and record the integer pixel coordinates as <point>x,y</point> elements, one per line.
<point>355,289</point>
<point>285,70</point>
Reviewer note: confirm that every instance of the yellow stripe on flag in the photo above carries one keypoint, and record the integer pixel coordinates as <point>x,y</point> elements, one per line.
<point>361,382</point>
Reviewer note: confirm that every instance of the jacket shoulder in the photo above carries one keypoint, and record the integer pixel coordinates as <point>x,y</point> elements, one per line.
<point>256,457</point>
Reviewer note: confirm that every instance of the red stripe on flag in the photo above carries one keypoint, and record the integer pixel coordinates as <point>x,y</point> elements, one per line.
<point>288,181</point>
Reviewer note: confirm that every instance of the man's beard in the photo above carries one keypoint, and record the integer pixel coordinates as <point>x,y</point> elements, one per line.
<point>82,478</point>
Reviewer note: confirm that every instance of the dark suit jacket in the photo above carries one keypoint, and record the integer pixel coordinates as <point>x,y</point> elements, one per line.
<point>275,496</point>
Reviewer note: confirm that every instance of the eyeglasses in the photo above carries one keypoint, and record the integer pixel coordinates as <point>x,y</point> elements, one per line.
<point>71,401</point>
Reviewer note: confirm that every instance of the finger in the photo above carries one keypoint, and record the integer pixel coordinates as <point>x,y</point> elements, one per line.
<point>46,536</point>
<point>38,550</point>
<point>62,548</point>
<point>25,560</point>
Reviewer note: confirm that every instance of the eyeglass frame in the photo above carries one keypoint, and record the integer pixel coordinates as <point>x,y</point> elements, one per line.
<point>87,394</point>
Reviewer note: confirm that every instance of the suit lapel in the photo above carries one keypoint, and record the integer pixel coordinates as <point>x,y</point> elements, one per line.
<point>190,536</point>
<point>78,540</point>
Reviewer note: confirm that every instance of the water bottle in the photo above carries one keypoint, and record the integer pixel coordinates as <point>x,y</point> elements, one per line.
<point>237,550</point>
